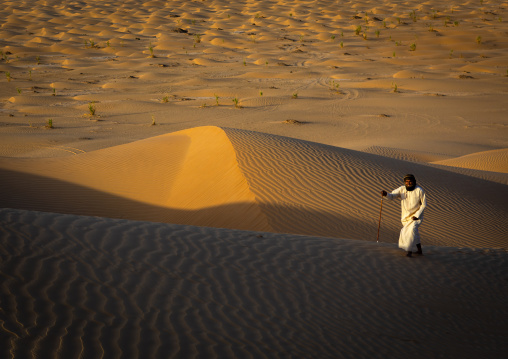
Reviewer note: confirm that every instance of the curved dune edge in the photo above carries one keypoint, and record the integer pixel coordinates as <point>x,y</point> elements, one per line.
<point>308,188</point>
<point>224,177</point>
<point>494,161</point>
<point>188,177</point>
<point>99,288</point>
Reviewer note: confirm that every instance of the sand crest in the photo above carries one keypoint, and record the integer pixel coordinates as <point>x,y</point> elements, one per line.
<point>248,180</point>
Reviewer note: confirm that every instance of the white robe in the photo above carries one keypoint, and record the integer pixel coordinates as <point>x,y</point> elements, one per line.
<point>412,204</point>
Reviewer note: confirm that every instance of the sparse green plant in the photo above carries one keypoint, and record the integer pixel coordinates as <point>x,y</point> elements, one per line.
<point>341,44</point>
<point>150,48</point>
<point>451,54</point>
<point>393,54</point>
<point>92,43</point>
<point>358,30</point>
<point>91,108</point>
<point>412,14</point>
<point>384,23</point>
<point>19,90</point>
<point>334,86</point>
<point>478,40</point>
<point>365,36</point>
<point>332,37</point>
<point>394,87</point>
<point>431,28</point>
<point>165,99</point>
<point>266,63</point>
<point>244,63</point>
<point>377,33</point>
<point>153,121</point>
<point>50,123</point>
<point>54,91</point>
<point>216,99</point>
<point>295,94</point>
<point>456,23</point>
<point>108,44</point>
<point>434,14</point>
<point>197,38</point>
<point>236,101</point>
<point>260,93</point>
<point>38,59</point>
<point>398,20</point>
<point>412,47</point>
<point>342,34</point>
<point>290,14</point>
<point>301,38</point>
<point>8,75</point>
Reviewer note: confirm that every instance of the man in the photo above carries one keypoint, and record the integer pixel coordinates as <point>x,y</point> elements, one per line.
<point>413,202</point>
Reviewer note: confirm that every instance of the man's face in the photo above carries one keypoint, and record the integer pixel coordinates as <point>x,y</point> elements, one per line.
<point>409,182</point>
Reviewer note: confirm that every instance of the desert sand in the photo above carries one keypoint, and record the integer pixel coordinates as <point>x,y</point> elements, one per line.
<point>202,179</point>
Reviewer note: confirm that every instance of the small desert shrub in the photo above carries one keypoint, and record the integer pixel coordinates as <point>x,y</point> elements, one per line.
<point>50,123</point>
<point>153,120</point>
<point>150,48</point>
<point>19,90</point>
<point>295,94</point>
<point>478,40</point>
<point>236,101</point>
<point>394,87</point>
<point>216,99</point>
<point>91,108</point>
<point>8,75</point>
<point>412,47</point>
<point>165,99</point>
<point>358,30</point>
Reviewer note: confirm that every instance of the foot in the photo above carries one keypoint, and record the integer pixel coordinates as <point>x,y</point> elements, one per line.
<point>419,251</point>
<point>409,254</point>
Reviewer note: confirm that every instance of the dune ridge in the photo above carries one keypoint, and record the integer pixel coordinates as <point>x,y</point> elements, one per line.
<point>224,177</point>
<point>99,287</point>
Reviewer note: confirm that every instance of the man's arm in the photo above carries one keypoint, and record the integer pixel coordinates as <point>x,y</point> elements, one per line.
<point>395,193</point>
<point>423,204</point>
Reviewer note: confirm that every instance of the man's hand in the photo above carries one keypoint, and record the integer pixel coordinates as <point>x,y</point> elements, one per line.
<point>383,193</point>
<point>415,218</point>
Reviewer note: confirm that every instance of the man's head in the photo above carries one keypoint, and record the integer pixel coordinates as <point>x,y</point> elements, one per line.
<point>410,182</point>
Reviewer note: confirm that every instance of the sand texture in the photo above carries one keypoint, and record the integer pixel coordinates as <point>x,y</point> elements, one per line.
<point>201,179</point>
<point>103,288</point>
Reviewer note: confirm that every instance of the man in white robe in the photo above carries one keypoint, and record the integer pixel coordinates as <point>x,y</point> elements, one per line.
<point>413,202</point>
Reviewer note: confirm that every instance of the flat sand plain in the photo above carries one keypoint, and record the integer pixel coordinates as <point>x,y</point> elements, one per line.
<point>201,178</point>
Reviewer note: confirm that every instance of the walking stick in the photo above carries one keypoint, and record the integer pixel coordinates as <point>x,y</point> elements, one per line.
<point>379,225</point>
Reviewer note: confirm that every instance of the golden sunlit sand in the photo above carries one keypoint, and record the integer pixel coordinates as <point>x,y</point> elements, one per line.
<point>202,178</point>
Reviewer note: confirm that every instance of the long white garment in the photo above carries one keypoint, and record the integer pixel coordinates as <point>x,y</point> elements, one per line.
<point>412,205</point>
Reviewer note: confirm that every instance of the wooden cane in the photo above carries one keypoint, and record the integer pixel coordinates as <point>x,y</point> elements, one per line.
<point>379,225</point>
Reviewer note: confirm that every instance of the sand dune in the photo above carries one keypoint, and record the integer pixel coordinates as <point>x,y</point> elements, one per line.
<point>119,132</point>
<point>247,180</point>
<point>495,161</point>
<point>100,287</point>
